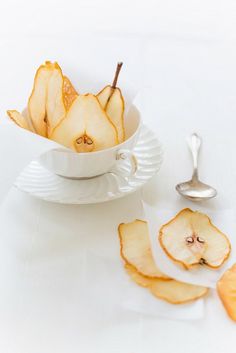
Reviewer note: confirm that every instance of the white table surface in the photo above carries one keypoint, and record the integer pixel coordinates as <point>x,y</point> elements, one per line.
<point>183,60</point>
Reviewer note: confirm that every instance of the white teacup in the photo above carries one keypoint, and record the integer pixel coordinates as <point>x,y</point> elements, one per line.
<point>69,164</point>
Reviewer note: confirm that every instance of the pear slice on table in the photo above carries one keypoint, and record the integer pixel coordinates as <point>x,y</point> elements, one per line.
<point>172,291</point>
<point>137,277</point>
<point>176,292</point>
<point>190,239</point>
<point>86,126</point>
<point>112,102</point>
<point>226,288</point>
<point>135,248</point>
<point>38,98</point>
<point>19,119</point>
<point>69,92</point>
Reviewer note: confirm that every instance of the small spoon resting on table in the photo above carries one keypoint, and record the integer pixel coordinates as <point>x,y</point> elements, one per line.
<point>194,189</point>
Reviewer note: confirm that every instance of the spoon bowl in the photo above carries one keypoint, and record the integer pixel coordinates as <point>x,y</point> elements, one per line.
<point>194,189</point>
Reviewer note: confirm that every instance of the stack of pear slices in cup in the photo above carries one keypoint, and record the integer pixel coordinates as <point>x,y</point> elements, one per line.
<point>189,239</point>
<point>81,122</point>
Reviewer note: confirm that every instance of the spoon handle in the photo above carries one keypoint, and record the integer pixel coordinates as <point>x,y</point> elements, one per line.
<point>194,145</point>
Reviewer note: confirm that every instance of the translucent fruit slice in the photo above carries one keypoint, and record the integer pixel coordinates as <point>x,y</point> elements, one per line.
<point>226,288</point>
<point>136,276</point>
<point>172,291</point>
<point>112,102</point>
<point>176,292</point>
<point>69,92</point>
<point>60,96</point>
<point>190,238</point>
<point>38,99</point>
<point>136,249</point>
<point>55,106</point>
<point>86,126</point>
<point>19,119</point>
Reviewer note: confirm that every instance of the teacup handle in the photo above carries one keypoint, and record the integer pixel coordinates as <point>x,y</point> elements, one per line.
<point>124,154</point>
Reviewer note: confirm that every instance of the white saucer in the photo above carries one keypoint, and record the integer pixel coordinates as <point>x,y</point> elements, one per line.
<point>39,182</point>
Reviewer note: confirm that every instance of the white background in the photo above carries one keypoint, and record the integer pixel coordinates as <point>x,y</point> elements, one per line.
<point>181,55</point>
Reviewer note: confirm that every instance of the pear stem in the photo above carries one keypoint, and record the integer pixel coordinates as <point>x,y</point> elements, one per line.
<point>118,68</point>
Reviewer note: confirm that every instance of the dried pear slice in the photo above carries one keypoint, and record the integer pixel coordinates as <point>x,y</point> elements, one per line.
<point>226,288</point>
<point>86,126</point>
<point>104,95</point>
<point>38,98</point>
<point>115,110</point>
<point>51,98</point>
<point>190,238</point>
<point>60,96</point>
<point>112,102</point>
<point>69,92</point>
<point>141,280</point>
<point>176,292</point>
<point>55,104</point>
<point>19,119</point>
<point>172,291</point>
<point>136,249</point>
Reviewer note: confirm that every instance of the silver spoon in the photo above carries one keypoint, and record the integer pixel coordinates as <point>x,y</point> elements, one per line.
<point>194,189</point>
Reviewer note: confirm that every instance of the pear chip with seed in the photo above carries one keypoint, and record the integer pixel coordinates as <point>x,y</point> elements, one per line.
<point>140,266</point>
<point>191,239</point>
